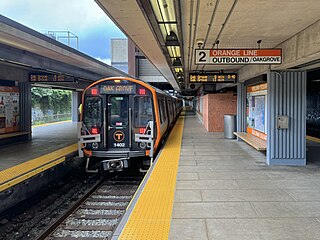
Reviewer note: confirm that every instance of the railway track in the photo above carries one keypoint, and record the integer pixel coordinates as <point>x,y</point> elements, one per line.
<point>97,214</point>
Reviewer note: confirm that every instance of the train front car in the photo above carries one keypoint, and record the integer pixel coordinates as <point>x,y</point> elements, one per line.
<point>118,123</point>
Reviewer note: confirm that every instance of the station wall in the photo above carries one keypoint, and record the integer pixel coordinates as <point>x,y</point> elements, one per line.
<point>215,106</point>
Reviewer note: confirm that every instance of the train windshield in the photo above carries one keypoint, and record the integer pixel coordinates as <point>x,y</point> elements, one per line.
<point>142,111</point>
<point>119,110</point>
<point>92,112</point>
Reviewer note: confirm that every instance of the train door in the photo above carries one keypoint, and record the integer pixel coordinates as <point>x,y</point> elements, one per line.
<point>118,124</point>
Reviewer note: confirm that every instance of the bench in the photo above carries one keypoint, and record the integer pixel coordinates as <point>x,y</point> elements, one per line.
<point>313,139</point>
<point>255,142</point>
<point>14,134</point>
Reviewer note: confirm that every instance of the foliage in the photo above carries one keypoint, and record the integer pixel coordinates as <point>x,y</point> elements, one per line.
<point>54,100</point>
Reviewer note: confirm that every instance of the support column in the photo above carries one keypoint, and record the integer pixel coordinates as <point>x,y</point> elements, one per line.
<point>76,100</point>
<point>241,107</point>
<point>25,108</point>
<point>286,97</point>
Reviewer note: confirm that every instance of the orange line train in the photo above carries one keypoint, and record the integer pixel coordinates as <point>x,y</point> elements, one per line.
<point>123,121</point>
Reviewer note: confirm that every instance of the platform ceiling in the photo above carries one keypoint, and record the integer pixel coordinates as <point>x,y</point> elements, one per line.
<point>272,21</point>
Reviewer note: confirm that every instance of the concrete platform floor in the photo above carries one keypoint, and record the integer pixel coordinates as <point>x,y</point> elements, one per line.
<point>225,191</point>
<point>45,139</point>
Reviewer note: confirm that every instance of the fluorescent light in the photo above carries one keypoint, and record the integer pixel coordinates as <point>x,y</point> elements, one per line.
<point>174,51</point>
<point>179,69</point>
<point>171,53</point>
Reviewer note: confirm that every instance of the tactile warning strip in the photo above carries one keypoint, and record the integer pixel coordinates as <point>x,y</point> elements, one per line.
<point>14,175</point>
<point>151,216</point>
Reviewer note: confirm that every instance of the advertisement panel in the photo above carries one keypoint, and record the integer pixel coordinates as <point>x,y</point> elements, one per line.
<point>9,109</point>
<point>257,110</point>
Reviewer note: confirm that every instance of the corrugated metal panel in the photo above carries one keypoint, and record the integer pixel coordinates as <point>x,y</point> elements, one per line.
<point>241,108</point>
<point>147,69</point>
<point>286,96</point>
<point>25,107</point>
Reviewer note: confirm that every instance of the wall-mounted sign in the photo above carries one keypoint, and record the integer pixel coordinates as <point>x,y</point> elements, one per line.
<point>40,77</point>
<point>238,56</point>
<point>118,89</point>
<point>213,78</point>
<point>257,88</point>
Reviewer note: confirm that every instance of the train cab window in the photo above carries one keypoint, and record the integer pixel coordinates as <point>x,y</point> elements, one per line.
<point>92,114</point>
<point>119,110</point>
<point>142,111</point>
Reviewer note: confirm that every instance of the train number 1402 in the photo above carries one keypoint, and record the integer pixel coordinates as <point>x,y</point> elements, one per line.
<point>119,144</point>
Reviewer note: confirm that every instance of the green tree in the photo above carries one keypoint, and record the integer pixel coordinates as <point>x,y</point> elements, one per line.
<point>56,100</point>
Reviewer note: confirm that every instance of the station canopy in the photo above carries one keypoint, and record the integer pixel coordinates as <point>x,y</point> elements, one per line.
<point>169,31</point>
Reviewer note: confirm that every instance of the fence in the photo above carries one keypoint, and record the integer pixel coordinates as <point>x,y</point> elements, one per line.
<point>36,120</point>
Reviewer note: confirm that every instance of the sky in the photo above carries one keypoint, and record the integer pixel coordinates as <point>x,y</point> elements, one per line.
<point>83,18</point>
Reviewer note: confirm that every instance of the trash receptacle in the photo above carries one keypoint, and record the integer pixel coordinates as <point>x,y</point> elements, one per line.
<point>229,126</point>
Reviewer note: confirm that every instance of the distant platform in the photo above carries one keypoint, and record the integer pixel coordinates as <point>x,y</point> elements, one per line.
<point>46,138</point>
<point>28,162</point>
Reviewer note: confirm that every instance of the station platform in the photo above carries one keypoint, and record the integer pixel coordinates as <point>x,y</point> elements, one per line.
<point>206,187</point>
<point>50,145</point>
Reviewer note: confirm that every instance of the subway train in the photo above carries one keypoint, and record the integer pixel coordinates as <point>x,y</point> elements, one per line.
<point>123,122</point>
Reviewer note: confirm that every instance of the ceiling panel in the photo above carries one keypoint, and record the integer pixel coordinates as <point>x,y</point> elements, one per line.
<point>129,17</point>
<point>272,21</point>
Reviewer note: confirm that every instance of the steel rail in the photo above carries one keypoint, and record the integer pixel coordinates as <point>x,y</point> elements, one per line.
<point>67,213</point>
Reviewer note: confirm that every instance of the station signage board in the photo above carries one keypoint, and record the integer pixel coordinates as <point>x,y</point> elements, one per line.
<point>40,77</point>
<point>237,56</point>
<point>118,89</point>
<point>213,78</point>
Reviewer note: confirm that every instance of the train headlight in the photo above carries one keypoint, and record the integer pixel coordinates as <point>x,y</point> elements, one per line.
<point>143,145</point>
<point>95,145</point>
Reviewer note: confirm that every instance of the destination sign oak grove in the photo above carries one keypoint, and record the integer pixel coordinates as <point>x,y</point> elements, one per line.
<point>237,56</point>
<point>213,78</point>
<point>118,89</point>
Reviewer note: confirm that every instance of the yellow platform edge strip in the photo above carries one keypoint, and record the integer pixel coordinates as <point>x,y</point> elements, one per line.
<point>52,123</point>
<point>14,175</point>
<point>151,216</point>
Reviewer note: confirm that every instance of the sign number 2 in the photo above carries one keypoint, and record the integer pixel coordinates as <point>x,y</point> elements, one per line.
<point>202,56</point>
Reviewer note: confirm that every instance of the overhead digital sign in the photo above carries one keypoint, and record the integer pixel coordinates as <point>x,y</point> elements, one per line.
<point>237,56</point>
<point>118,89</point>
<point>40,77</point>
<point>213,78</point>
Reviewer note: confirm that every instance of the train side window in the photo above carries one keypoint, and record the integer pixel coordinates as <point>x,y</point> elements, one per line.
<point>92,114</point>
<point>142,111</point>
<point>160,111</point>
<point>161,103</point>
<point>163,109</point>
<point>170,107</point>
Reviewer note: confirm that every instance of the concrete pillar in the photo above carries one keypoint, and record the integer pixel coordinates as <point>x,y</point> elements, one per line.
<point>241,107</point>
<point>76,100</point>
<point>25,108</point>
<point>286,97</point>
